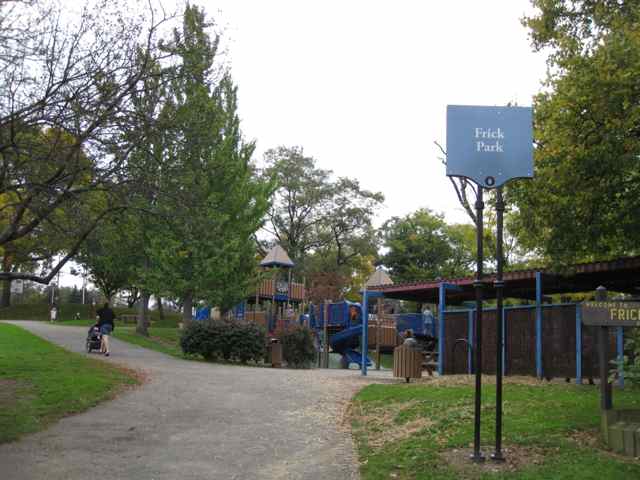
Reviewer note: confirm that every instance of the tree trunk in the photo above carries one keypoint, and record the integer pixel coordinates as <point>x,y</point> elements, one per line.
<point>160,308</point>
<point>187,306</point>
<point>143,315</point>
<point>5,299</point>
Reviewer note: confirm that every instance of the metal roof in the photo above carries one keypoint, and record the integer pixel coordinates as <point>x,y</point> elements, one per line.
<point>620,275</point>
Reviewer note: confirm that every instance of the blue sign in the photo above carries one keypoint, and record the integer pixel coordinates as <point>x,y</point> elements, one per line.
<point>489,145</point>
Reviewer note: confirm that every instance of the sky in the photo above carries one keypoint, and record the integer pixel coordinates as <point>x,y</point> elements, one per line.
<point>363,86</point>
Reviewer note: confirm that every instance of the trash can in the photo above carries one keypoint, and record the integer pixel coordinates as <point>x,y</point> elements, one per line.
<point>275,350</point>
<point>407,362</point>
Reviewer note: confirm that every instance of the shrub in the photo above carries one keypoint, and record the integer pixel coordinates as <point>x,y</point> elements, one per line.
<point>298,348</point>
<point>632,359</point>
<point>240,341</point>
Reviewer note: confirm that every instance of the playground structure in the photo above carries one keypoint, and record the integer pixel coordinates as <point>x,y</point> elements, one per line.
<point>341,324</point>
<point>278,301</point>
<point>542,339</point>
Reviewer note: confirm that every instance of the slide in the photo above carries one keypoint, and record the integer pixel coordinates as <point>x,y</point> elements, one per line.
<point>345,343</point>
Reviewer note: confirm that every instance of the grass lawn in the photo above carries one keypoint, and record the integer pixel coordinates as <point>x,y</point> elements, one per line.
<point>67,313</point>
<point>40,382</point>
<point>406,431</point>
<point>386,359</point>
<point>160,339</point>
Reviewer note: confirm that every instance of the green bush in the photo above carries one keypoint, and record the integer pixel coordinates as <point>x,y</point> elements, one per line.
<point>221,339</point>
<point>632,359</point>
<point>298,349</point>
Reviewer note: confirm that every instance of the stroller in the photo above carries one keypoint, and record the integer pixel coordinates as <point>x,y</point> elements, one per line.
<point>94,339</point>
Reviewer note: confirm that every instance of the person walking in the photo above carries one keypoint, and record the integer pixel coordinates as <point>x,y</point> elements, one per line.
<point>53,313</point>
<point>106,325</point>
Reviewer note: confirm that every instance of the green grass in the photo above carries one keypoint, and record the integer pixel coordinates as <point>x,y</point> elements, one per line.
<point>541,418</point>
<point>41,383</point>
<point>161,339</point>
<point>386,359</point>
<point>165,340</point>
<point>67,313</point>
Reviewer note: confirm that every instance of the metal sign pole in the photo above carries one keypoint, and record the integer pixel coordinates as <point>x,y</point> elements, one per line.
<point>489,146</point>
<point>499,285</point>
<point>477,454</point>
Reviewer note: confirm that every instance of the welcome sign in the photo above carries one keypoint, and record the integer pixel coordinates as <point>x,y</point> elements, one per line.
<point>489,145</point>
<point>611,314</point>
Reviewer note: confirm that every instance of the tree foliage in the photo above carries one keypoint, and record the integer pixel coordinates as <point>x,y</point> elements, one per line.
<point>421,246</point>
<point>325,224</point>
<point>213,202</point>
<point>583,200</point>
<point>65,104</point>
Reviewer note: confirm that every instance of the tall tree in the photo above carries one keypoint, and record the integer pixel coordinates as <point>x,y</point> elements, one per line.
<point>312,212</point>
<point>583,200</point>
<point>301,200</point>
<point>215,201</point>
<point>67,83</point>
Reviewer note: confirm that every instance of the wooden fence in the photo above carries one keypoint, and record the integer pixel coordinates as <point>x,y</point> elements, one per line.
<point>550,342</point>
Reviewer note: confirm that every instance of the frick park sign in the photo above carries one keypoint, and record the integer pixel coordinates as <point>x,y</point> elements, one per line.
<point>489,145</point>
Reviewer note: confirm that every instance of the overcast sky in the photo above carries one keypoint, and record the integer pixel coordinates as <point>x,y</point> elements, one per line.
<point>363,85</point>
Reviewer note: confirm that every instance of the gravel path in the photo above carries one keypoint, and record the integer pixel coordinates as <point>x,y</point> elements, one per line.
<point>195,420</point>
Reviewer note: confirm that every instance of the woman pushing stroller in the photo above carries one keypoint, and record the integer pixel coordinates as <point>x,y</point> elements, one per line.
<point>106,326</point>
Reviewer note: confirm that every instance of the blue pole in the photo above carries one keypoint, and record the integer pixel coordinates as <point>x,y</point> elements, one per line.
<point>470,339</point>
<point>504,342</point>
<point>441,307</point>
<point>620,348</point>
<point>578,344</point>
<point>539,325</point>
<point>365,331</point>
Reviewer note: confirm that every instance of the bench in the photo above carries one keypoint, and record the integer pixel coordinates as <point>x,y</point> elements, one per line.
<point>128,318</point>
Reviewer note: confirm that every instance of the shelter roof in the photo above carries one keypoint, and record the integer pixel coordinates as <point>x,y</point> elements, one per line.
<point>277,257</point>
<point>620,275</point>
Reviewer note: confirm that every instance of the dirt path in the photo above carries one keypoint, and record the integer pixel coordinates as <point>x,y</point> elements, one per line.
<point>195,421</point>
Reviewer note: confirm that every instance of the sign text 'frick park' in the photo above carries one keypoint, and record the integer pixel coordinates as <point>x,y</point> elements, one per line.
<point>489,145</point>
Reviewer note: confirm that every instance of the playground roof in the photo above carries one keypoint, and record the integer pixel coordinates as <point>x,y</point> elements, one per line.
<point>621,275</point>
<point>379,277</point>
<point>277,257</point>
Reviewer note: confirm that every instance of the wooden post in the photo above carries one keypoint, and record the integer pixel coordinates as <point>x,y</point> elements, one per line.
<point>378,321</point>
<point>606,402</point>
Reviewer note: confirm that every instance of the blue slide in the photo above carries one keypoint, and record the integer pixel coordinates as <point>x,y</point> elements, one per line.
<point>345,343</point>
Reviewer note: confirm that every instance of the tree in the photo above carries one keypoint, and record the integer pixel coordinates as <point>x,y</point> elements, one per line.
<point>111,254</point>
<point>312,213</point>
<point>65,104</point>
<point>421,246</point>
<point>583,200</point>
<point>208,253</point>
<point>301,199</point>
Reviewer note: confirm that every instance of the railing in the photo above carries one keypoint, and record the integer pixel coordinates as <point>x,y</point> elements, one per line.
<point>270,287</point>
